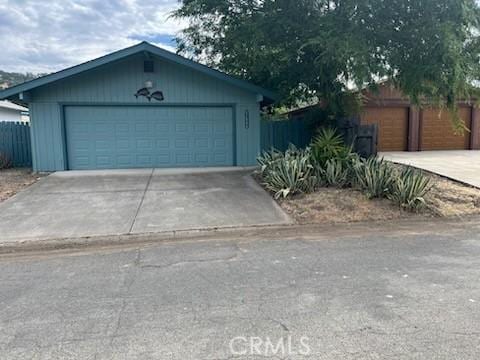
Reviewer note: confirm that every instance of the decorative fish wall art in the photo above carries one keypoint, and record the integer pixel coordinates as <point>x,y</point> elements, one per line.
<point>157,95</point>
<point>142,92</point>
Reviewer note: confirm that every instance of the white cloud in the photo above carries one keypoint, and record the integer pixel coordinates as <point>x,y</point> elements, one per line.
<point>46,36</point>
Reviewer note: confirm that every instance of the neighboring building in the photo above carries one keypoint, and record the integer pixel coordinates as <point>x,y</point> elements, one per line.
<point>95,115</point>
<point>13,112</point>
<point>403,127</point>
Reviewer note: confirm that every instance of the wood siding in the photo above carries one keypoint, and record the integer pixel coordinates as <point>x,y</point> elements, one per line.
<point>117,83</point>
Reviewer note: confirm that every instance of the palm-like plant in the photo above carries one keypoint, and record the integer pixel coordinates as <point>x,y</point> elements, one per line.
<point>328,145</point>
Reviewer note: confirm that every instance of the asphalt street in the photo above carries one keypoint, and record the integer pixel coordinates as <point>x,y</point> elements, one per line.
<point>374,296</point>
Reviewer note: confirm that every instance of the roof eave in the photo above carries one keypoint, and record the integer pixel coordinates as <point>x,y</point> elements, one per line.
<point>141,47</point>
<point>62,74</point>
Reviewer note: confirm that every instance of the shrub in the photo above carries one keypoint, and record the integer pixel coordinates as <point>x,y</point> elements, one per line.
<point>329,162</point>
<point>374,176</point>
<point>409,189</point>
<point>289,173</point>
<point>5,162</point>
<point>329,145</point>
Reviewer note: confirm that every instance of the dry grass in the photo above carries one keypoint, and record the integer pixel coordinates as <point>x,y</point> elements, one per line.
<point>331,205</point>
<point>451,198</point>
<point>447,198</point>
<point>14,180</point>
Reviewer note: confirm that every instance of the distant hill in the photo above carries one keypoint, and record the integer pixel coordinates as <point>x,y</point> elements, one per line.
<point>8,79</point>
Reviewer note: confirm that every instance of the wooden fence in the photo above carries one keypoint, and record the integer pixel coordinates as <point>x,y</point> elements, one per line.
<point>298,131</point>
<point>279,134</point>
<point>15,143</point>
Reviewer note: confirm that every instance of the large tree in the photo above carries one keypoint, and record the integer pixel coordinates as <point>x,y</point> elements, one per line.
<point>322,49</point>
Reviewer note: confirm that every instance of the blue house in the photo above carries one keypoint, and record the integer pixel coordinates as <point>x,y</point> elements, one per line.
<point>141,107</point>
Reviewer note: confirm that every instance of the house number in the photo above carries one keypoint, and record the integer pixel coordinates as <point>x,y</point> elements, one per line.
<point>247,119</point>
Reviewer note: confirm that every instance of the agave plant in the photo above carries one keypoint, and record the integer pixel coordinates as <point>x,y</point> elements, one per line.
<point>267,158</point>
<point>335,173</point>
<point>290,174</point>
<point>409,189</point>
<point>374,176</point>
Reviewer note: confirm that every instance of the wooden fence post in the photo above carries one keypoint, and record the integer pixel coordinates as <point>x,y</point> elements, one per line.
<point>475,129</point>
<point>413,129</point>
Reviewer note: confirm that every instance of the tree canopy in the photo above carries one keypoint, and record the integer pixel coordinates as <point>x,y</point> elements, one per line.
<point>304,49</point>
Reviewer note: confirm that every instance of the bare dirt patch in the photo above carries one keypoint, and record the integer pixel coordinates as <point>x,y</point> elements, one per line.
<point>15,180</point>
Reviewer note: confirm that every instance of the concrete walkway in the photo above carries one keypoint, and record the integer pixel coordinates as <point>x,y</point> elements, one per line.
<point>116,202</point>
<point>460,165</point>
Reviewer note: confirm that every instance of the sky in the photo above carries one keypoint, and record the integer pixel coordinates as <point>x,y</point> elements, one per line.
<point>43,36</point>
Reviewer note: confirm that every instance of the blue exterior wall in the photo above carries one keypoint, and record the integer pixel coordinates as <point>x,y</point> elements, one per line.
<point>116,83</point>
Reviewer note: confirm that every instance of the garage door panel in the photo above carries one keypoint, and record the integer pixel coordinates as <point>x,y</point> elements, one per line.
<point>104,160</point>
<point>182,128</point>
<point>182,158</point>
<point>124,160</point>
<point>219,143</point>
<point>437,132</point>
<point>181,144</point>
<point>202,143</point>
<point>81,128</point>
<point>163,159</point>
<point>219,157</point>
<point>162,127</point>
<point>392,125</point>
<point>162,143</point>
<point>123,144</point>
<point>144,160</point>
<point>141,127</point>
<point>144,145</point>
<point>83,161</point>
<point>202,128</point>
<point>122,137</point>
<point>121,128</point>
<point>220,129</point>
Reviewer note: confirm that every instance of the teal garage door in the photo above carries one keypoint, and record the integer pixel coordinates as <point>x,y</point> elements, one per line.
<point>115,137</point>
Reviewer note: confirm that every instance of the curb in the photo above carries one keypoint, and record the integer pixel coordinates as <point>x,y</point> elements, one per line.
<point>331,231</point>
<point>134,239</point>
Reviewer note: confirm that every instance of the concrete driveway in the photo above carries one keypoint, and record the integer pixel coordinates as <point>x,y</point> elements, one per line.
<point>460,165</point>
<point>114,202</point>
